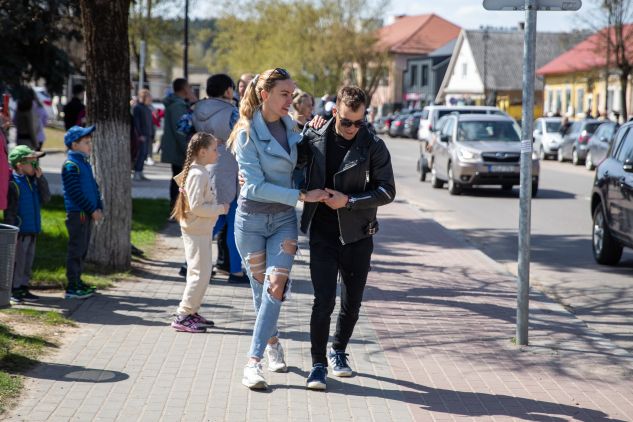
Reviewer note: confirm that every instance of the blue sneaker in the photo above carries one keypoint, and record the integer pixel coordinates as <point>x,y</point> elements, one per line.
<point>338,362</point>
<point>77,294</point>
<point>316,379</point>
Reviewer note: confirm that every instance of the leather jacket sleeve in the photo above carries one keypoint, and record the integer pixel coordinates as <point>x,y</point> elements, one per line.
<point>382,180</point>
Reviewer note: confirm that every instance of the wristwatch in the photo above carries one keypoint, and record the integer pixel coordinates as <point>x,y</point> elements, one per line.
<point>302,195</point>
<point>350,203</point>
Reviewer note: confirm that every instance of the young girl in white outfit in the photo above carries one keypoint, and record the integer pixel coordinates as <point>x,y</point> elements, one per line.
<point>197,212</point>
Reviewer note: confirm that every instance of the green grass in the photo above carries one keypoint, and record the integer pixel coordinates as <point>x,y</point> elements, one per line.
<point>54,138</point>
<point>49,270</point>
<point>20,352</point>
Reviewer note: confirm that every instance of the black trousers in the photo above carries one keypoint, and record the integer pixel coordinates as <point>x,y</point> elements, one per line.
<point>173,187</point>
<point>328,258</point>
<point>79,227</point>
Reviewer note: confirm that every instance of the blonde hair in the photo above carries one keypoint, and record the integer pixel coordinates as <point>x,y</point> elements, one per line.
<point>198,142</point>
<point>252,101</point>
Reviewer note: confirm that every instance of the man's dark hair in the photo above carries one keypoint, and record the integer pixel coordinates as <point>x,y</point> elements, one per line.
<point>352,96</point>
<point>179,84</point>
<point>218,84</point>
<point>78,89</point>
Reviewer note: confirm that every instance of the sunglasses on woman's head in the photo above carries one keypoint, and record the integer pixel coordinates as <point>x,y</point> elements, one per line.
<point>283,72</point>
<point>349,123</point>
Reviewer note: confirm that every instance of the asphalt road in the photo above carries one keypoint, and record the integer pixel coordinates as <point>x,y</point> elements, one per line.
<point>562,262</point>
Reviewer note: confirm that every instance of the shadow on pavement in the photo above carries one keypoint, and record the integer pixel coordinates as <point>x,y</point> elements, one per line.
<point>72,373</point>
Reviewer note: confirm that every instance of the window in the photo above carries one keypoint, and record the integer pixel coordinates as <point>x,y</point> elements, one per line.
<point>447,128</point>
<point>610,95</point>
<point>414,75</point>
<point>425,75</point>
<point>568,99</point>
<point>618,141</point>
<point>580,100</point>
<point>626,150</point>
<point>464,70</point>
<point>559,101</point>
<point>488,131</point>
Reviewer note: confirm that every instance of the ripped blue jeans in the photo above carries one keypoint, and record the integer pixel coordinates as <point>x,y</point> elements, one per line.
<point>267,244</point>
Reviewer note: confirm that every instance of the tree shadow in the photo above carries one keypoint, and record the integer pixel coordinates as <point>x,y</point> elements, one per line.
<point>73,373</point>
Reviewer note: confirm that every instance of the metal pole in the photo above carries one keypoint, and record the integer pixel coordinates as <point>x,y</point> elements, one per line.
<point>523,296</point>
<point>185,58</point>
<point>141,76</point>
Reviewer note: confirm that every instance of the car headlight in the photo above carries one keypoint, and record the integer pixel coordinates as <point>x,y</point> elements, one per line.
<point>468,155</point>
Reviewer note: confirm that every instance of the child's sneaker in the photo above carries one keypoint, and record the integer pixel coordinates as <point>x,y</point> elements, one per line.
<point>77,293</point>
<point>87,287</point>
<point>26,294</point>
<point>203,322</point>
<point>187,324</point>
<point>275,355</point>
<point>254,377</point>
<point>16,297</point>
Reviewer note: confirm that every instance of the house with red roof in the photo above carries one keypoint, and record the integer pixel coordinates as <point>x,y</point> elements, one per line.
<point>579,82</point>
<point>406,38</point>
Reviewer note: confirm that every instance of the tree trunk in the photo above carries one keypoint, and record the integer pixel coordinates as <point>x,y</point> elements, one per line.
<point>624,84</point>
<point>105,29</point>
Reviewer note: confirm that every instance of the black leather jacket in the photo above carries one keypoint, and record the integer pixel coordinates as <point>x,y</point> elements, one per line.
<point>365,176</point>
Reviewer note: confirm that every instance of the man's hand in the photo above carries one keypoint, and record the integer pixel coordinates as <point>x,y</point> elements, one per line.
<point>38,172</point>
<point>317,122</point>
<point>97,215</point>
<point>316,195</point>
<point>336,200</point>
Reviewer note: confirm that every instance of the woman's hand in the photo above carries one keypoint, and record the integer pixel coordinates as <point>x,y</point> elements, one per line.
<point>316,195</point>
<point>317,122</point>
<point>240,179</point>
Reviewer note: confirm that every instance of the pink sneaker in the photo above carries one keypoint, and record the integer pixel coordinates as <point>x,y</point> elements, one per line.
<point>202,321</point>
<point>188,324</point>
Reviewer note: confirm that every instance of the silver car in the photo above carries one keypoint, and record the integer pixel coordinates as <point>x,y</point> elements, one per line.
<point>547,136</point>
<point>479,149</point>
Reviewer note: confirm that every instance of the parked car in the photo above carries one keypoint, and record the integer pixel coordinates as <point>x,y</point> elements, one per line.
<point>576,140</point>
<point>547,136</point>
<point>599,144</point>
<point>477,149</point>
<point>380,124</point>
<point>411,125</point>
<point>396,128</point>
<point>612,200</point>
<point>426,149</point>
<point>433,113</point>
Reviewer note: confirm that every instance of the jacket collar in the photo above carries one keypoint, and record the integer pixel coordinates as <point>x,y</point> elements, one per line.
<point>78,155</point>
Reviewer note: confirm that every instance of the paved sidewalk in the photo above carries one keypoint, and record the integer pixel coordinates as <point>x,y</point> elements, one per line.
<point>434,342</point>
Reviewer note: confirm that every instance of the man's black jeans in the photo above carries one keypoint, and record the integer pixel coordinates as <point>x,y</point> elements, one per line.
<point>327,258</point>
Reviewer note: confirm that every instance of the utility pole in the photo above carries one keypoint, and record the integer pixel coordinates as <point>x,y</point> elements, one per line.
<point>527,116</point>
<point>185,56</point>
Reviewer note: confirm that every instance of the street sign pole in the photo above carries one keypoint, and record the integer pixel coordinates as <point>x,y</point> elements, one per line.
<point>525,201</point>
<point>527,116</point>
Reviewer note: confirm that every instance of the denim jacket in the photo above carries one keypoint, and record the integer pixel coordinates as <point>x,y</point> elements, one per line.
<point>265,164</point>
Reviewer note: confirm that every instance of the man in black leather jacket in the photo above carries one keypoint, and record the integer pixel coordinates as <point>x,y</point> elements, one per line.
<point>354,166</point>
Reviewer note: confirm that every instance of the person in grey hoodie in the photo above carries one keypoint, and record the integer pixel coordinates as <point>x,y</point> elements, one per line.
<point>173,142</point>
<point>217,115</point>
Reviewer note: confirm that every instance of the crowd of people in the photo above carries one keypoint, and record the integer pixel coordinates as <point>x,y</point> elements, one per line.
<point>241,162</point>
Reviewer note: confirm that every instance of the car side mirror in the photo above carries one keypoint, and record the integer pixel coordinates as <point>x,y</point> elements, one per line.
<point>628,165</point>
<point>537,132</point>
<point>603,139</point>
<point>444,138</point>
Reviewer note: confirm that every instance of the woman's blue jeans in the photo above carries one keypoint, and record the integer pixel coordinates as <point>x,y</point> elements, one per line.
<point>275,236</point>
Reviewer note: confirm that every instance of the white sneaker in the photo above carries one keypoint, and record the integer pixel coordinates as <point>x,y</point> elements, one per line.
<point>275,355</point>
<point>254,377</point>
<point>149,162</point>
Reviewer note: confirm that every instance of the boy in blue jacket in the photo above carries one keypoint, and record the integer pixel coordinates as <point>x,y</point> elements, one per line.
<point>82,200</point>
<point>28,190</point>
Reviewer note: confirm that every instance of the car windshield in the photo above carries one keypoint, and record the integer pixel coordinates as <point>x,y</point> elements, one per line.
<point>591,127</point>
<point>487,131</point>
<point>551,127</point>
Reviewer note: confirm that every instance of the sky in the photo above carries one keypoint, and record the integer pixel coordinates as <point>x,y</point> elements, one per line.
<point>468,14</point>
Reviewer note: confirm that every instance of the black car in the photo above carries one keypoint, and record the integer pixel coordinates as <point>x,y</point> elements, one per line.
<point>412,124</point>
<point>397,126</point>
<point>599,144</point>
<point>575,141</point>
<point>612,200</point>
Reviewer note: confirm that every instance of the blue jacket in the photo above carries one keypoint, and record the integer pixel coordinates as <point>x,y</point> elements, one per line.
<point>265,164</point>
<point>25,199</point>
<point>81,192</point>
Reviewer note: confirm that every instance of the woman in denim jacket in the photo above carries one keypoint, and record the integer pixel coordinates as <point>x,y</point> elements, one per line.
<point>264,141</point>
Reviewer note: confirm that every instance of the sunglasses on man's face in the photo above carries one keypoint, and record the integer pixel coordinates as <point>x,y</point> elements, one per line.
<point>349,123</point>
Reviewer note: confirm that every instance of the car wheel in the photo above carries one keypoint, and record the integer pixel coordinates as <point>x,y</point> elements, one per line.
<point>453,187</point>
<point>542,155</point>
<point>506,187</point>
<point>589,162</point>
<point>559,155</point>
<point>435,182</point>
<point>606,250</point>
<point>575,160</point>
<point>422,170</point>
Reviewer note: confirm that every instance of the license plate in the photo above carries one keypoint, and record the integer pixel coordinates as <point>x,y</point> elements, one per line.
<point>502,169</point>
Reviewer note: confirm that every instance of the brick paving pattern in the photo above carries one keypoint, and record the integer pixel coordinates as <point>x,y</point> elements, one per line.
<point>434,342</point>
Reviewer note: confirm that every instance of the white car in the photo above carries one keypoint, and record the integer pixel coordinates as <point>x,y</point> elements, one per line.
<point>547,137</point>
